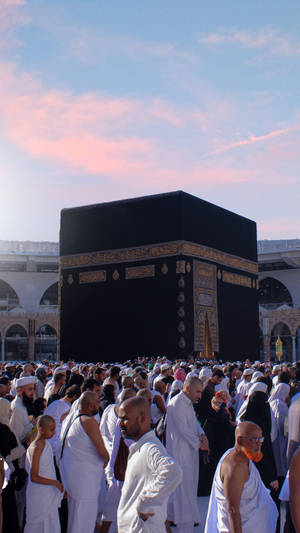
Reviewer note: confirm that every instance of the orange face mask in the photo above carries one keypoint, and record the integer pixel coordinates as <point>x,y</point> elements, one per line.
<point>254,456</point>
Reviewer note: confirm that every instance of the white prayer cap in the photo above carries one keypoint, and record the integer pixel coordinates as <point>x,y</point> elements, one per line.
<point>205,372</point>
<point>248,372</point>
<point>164,367</point>
<point>28,380</point>
<point>256,375</point>
<point>59,370</point>
<point>258,387</point>
<point>276,368</point>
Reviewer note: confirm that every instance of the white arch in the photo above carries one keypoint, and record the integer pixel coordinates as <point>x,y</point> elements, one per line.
<point>11,288</point>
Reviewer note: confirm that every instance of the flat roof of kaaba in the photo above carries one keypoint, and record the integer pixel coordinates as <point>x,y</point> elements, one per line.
<point>156,219</point>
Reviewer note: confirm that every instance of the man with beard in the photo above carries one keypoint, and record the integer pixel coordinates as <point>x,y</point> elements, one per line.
<point>184,438</point>
<point>151,474</point>
<point>21,407</point>
<point>239,501</point>
<point>21,424</point>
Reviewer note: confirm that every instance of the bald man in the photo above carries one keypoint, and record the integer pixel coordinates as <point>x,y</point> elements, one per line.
<point>151,475</point>
<point>239,501</point>
<point>82,458</point>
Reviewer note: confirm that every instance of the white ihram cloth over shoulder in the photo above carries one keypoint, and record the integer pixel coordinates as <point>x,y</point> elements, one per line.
<point>42,501</point>
<point>56,409</point>
<point>241,393</point>
<point>280,412</point>
<point>182,442</point>
<point>81,470</point>
<point>258,511</point>
<point>108,424</point>
<point>151,476</point>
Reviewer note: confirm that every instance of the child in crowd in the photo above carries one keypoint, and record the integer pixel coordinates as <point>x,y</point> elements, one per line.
<point>44,492</point>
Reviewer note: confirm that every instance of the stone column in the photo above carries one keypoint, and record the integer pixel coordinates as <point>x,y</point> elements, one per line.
<point>3,349</point>
<point>31,347</point>
<point>31,338</point>
<point>267,347</point>
<point>293,348</point>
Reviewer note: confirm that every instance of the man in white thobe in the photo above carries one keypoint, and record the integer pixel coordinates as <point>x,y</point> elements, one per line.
<point>19,420</point>
<point>242,389</point>
<point>151,474</point>
<point>184,438</point>
<point>239,501</point>
<point>82,459</point>
<point>21,424</point>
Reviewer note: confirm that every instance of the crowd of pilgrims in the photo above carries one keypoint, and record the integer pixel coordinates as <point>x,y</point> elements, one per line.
<point>83,486</point>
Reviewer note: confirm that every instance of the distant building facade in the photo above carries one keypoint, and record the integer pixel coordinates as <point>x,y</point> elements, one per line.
<point>29,299</point>
<point>279,297</point>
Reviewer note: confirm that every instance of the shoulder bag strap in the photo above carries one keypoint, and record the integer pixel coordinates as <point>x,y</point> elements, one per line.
<point>66,433</point>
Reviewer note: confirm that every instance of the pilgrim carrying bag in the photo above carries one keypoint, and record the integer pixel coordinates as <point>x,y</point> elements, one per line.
<point>19,476</point>
<point>121,461</point>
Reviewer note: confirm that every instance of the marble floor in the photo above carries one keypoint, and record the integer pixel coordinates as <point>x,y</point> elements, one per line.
<point>203,506</point>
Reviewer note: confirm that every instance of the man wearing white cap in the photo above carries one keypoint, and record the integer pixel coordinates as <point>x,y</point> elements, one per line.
<point>165,370</point>
<point>20,423</point>
<point>243,388</point>
<point>275,374</point>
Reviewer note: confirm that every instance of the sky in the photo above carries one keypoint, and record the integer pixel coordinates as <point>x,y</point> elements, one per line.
<point>102,100</point>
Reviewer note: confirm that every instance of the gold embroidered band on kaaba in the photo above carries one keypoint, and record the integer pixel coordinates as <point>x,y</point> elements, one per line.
<point>142,253</point>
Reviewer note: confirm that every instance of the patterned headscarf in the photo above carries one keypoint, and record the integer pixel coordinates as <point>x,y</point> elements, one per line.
<point>180,374</point>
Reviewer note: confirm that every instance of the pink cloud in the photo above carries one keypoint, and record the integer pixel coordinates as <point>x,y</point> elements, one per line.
<point>255,139</point>
<point>98,135</point>
<point>95,155</point>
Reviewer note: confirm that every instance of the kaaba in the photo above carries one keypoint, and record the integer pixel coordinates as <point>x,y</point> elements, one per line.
<point>167,274</point>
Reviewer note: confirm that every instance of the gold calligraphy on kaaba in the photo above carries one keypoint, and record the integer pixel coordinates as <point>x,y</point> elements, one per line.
<point>159,250</point>
<point>237,279</point>
<point>145,271</point>
<point>205,303</point>
<point>93,276</point>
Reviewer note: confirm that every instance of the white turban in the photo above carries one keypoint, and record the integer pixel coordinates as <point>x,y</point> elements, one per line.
<point>28,380</point>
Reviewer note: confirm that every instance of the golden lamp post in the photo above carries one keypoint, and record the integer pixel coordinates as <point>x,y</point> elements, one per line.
<point>279,350</point>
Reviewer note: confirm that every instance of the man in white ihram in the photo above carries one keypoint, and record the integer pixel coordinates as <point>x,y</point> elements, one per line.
<point>239,501</point>
<point>82,459</point>
<point>151,474</point>
<point>184,438</point>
